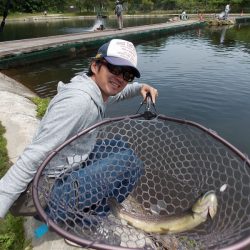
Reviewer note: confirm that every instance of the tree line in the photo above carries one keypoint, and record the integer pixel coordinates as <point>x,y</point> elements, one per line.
<point>131,6</point>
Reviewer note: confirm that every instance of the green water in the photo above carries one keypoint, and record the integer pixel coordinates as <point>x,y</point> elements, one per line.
<point>23,30</point>
<point>202,75</point>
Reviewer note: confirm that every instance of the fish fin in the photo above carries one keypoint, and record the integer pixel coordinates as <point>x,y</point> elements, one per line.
<point>114,206</point>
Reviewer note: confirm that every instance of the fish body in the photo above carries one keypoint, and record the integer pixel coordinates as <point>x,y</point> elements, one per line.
<point>163,224</point>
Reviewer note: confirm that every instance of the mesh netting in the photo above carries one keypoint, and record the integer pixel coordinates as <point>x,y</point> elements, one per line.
<point>159,166</point>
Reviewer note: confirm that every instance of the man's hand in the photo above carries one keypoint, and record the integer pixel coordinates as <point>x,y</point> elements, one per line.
<point>153,92</point>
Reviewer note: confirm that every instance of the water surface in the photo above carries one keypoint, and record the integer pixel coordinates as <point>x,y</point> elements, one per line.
<point>23,30</point>
<point>202,75</point>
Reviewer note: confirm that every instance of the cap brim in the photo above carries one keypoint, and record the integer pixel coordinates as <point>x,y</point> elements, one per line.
<point>122,62</point>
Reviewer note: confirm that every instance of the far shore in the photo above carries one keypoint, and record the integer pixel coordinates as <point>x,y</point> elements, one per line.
<point>52,17</point>
<point>55,17</point>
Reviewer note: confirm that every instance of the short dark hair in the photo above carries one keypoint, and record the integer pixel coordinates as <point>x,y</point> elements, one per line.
<point>97,61</point>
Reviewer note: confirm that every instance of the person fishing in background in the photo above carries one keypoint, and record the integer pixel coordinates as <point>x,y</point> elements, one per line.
<point>8,6</point>
<point>227,9</point>
<point>119,14</point>
<point>183,15</point>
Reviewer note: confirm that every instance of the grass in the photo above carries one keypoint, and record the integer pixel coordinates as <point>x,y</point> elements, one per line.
<point>12,233</point>
<point>11,228</point>
<point>42,104</point>
<point>4,159</point>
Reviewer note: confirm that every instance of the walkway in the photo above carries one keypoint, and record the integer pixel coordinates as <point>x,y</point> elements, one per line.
<point>17,47</point>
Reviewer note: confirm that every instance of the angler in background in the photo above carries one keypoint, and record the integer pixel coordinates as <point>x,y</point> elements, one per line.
<point>183,15</point>
<point>227,9</point>
<point>5,14</point>
<point>118,12</point>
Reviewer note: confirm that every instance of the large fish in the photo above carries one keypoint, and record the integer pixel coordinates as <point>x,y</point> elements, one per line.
<point>163,224</point>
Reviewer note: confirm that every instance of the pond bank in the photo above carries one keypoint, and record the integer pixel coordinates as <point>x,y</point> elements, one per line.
<point>18,116</point>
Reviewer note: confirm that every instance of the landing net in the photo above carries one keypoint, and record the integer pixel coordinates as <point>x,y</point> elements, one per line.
<point>157,166</point>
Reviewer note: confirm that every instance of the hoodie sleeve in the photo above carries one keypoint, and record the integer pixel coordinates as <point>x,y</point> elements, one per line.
<point>64,118</point>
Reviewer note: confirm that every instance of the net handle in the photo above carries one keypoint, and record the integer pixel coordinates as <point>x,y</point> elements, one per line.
<point>149,105</point>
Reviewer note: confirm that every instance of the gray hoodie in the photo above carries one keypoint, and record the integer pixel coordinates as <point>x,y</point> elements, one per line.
<point>77,106</point>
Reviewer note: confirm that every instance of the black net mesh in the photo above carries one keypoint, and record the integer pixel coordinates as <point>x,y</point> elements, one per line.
<point>154,166</point>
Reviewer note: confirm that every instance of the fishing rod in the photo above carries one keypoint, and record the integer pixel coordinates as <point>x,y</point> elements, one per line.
<point>8,5</point>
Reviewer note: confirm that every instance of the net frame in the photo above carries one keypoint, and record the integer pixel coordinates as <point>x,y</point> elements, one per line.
<point>243,243</point>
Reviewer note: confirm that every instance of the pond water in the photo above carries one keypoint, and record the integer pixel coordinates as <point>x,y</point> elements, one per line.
<point>202,75</point>
<point>23,30</point>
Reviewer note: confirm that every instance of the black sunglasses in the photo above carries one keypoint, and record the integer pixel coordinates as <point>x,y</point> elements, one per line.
<point>127,72</point>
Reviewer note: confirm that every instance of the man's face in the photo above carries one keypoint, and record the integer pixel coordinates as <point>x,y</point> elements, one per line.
<point>109,83</point>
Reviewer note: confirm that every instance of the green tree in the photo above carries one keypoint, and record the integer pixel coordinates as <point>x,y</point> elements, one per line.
<point>147,5</point>
<point>100,6</point>
<point>165,4</point>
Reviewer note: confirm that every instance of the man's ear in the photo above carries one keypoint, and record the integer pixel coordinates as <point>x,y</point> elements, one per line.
<point>95,66</point>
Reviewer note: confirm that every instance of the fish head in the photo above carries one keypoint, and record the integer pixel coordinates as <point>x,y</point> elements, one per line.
<point>206,204</point>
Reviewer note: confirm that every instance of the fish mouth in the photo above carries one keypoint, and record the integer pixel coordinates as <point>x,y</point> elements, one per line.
<point>212,210</point>
<point>213,207</point>
<point>206,205</point>
<point>210,192</point>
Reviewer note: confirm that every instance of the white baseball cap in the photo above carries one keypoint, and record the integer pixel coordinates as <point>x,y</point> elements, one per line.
<point>121,53</point>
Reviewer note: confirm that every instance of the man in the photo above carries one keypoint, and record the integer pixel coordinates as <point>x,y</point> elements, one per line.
<point>183,15</point>
<point>227,9</point>
<point>118,12</point>
<point>78,105</point>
